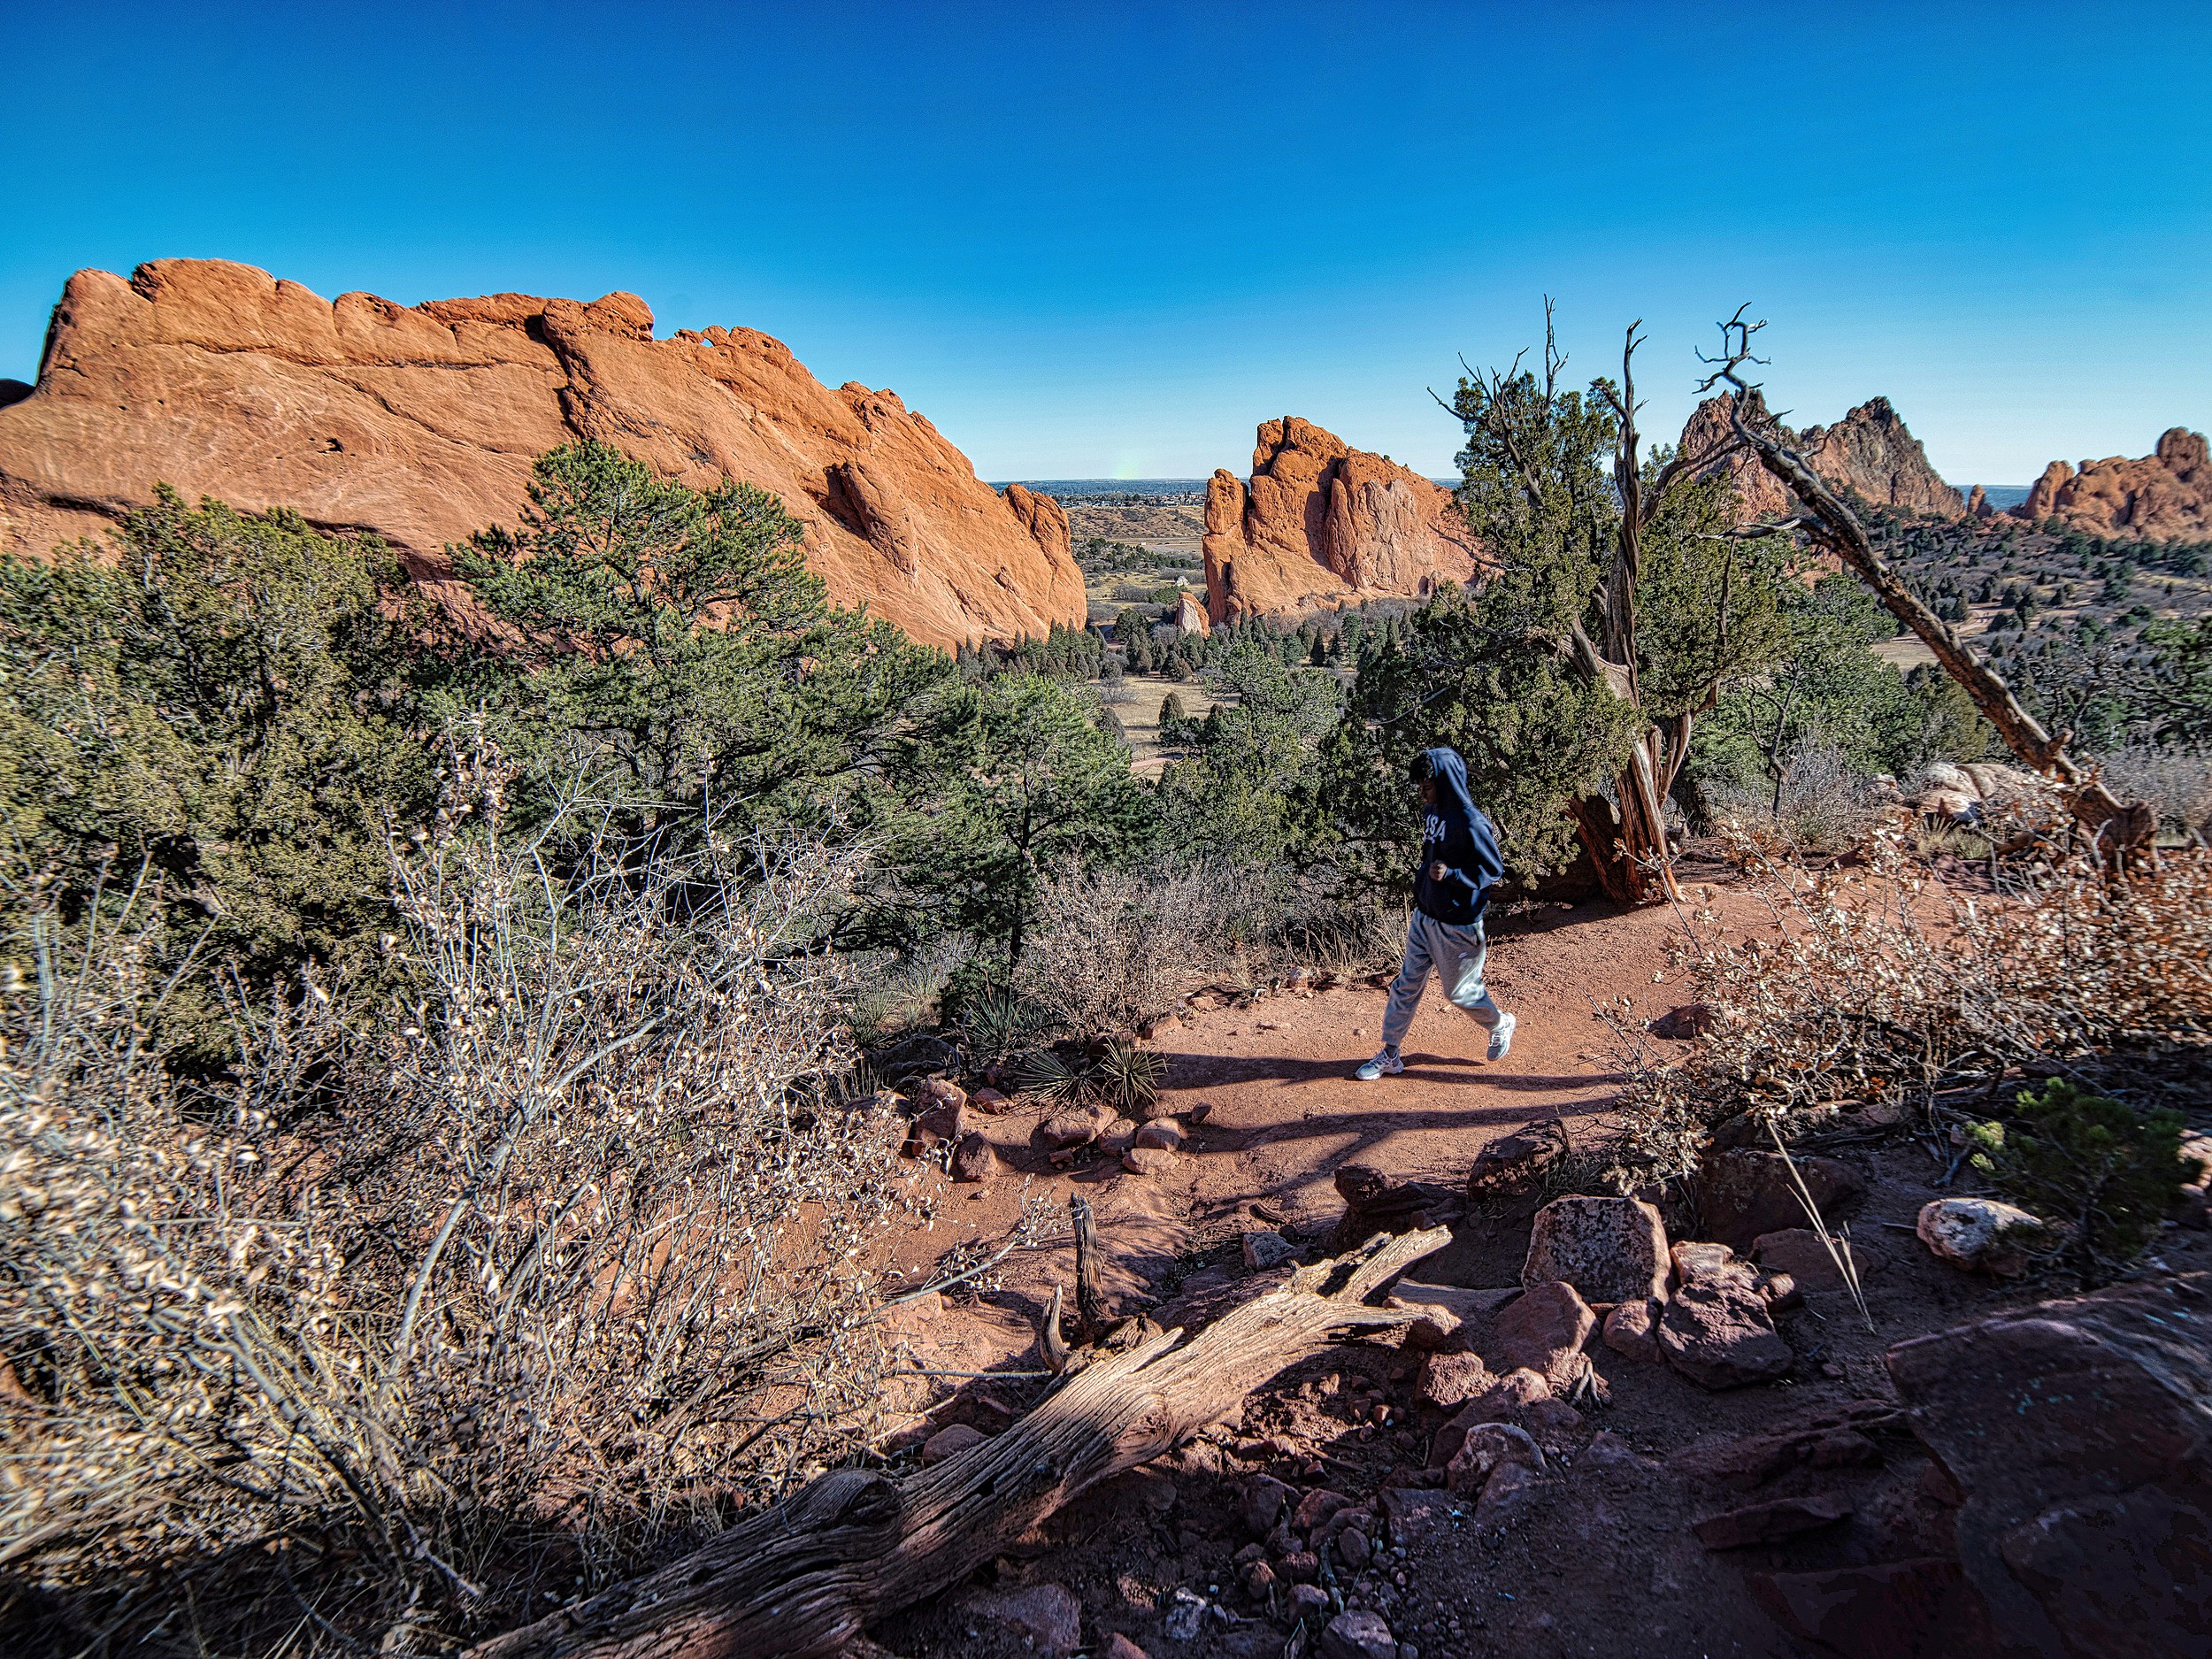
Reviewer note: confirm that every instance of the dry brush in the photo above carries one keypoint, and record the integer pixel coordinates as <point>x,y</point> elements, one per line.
<point>426,1314</point>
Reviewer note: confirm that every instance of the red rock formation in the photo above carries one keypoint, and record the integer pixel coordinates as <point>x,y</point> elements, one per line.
<point>1869,452</point>
<point>1322,525</point>
<point>420,424</point>
<point>2165,496</point>
<point>1758,494</point>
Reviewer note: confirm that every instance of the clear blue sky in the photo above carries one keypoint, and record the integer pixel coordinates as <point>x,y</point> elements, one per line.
<point>1107,240</point>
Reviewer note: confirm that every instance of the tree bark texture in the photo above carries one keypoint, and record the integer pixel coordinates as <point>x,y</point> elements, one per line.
<point>802,1578</point>
<point>1628,836</point>
<point>1090,1302</point>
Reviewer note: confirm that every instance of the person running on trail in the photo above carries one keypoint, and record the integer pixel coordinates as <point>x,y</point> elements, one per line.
<point>1459,866</point>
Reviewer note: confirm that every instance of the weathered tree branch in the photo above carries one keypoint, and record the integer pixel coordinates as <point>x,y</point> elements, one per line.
<point>2122,828</point>
<point>1090,1302</point>
<point>803,1578</point>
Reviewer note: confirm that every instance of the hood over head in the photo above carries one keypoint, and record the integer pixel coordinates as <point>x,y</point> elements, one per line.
<point>1449,773</point>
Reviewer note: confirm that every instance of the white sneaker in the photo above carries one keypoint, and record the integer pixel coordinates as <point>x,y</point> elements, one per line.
<point>1384,1065</point>
<point>1501,1037</point>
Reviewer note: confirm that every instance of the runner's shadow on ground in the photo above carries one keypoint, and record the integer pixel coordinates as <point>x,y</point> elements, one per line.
<point>1427,1067</point>
<point>1190,1072</point>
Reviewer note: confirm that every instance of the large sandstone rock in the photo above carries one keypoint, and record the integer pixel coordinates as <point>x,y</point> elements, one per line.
<point>1632,1329</point>
<point>1322,525</point>
<point>1448,1381</point>
<point>1900,1609</point>
<point>420,424</point>
<point>1488,1448</point>
<point>1982,1235</point>
<point>1543,1331</point>
<point>1358,1634</point>
<point>1609,1250</point>
<point>1798,1252</point>
<point>2080,1432</point>
<point>1716,1329</point>
<point>2167,495</point>
<point>1869,452</point>
<point>1771,1522</point>
<point>1744,1193</point>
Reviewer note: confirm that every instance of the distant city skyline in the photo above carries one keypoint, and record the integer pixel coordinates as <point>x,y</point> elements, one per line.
<point>1094,244</point>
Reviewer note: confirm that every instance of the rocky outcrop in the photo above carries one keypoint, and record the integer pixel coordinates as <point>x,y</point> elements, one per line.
<point>2079,1432</point>
<point>2166,496</point>
<point>1869,453</point>
<point>1321,525</point>
<point>420,424</point>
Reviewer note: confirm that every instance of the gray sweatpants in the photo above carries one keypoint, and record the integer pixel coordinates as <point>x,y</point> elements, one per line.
<point>1457,955</point>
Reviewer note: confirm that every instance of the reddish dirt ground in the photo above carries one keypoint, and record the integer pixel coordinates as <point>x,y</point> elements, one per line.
<point>1286,1111</point>
<point>1604,1560</point>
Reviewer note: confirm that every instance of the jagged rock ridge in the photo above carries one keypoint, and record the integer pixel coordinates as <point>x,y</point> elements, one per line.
<point>1870,452</point>
<point>2165,496</point>
<point>1322,525</point>
<point>420,424</point>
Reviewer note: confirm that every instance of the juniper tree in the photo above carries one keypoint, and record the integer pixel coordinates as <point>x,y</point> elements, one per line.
<point>213,717</point>
<point>1627,584</point>
<point>1025,780</point>
<point>668,650</point>
<point>1251,789</point>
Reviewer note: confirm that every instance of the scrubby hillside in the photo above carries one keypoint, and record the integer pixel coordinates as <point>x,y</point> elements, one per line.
<point>526,1121</point>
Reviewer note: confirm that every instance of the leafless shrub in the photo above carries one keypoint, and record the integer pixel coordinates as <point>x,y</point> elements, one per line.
<point>2177,781</point>
<point>1325,927</point>
<point>1823,806</point>
<point>1879,986</point>
<point>1108,950</point>
<point>478,1302</point>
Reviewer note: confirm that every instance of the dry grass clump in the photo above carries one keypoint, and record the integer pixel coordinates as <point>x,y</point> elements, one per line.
<point>1875,985</point>
<point>419,1320</point>
<point>1108,950</point>
<point>1825,804</point>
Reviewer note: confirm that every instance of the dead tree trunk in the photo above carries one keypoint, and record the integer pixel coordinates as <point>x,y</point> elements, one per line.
<point>1627,835</point>
<point>2119,828</point>
<point>1634,863</point>
<point>805,1577</point>
<point>1090,1304</point>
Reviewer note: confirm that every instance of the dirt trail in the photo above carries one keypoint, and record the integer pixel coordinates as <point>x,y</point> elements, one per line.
<point>1608,1558</point>
<point>1286,1112</point>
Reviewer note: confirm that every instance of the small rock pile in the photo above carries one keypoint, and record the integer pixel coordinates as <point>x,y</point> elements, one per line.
<point>1605,1264</point>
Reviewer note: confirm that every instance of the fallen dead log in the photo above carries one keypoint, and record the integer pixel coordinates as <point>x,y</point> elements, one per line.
<point>1090,1304</point>
<point>804,1577</point>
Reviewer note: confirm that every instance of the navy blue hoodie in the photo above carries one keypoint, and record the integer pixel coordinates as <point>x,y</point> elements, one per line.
<point>1458,836</point>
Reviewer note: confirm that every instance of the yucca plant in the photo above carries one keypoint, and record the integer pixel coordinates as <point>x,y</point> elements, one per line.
<point>998,1023</point>
<point>1041,1072</point>
<point>1123,1076</point>
<point>1128,1078</point>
